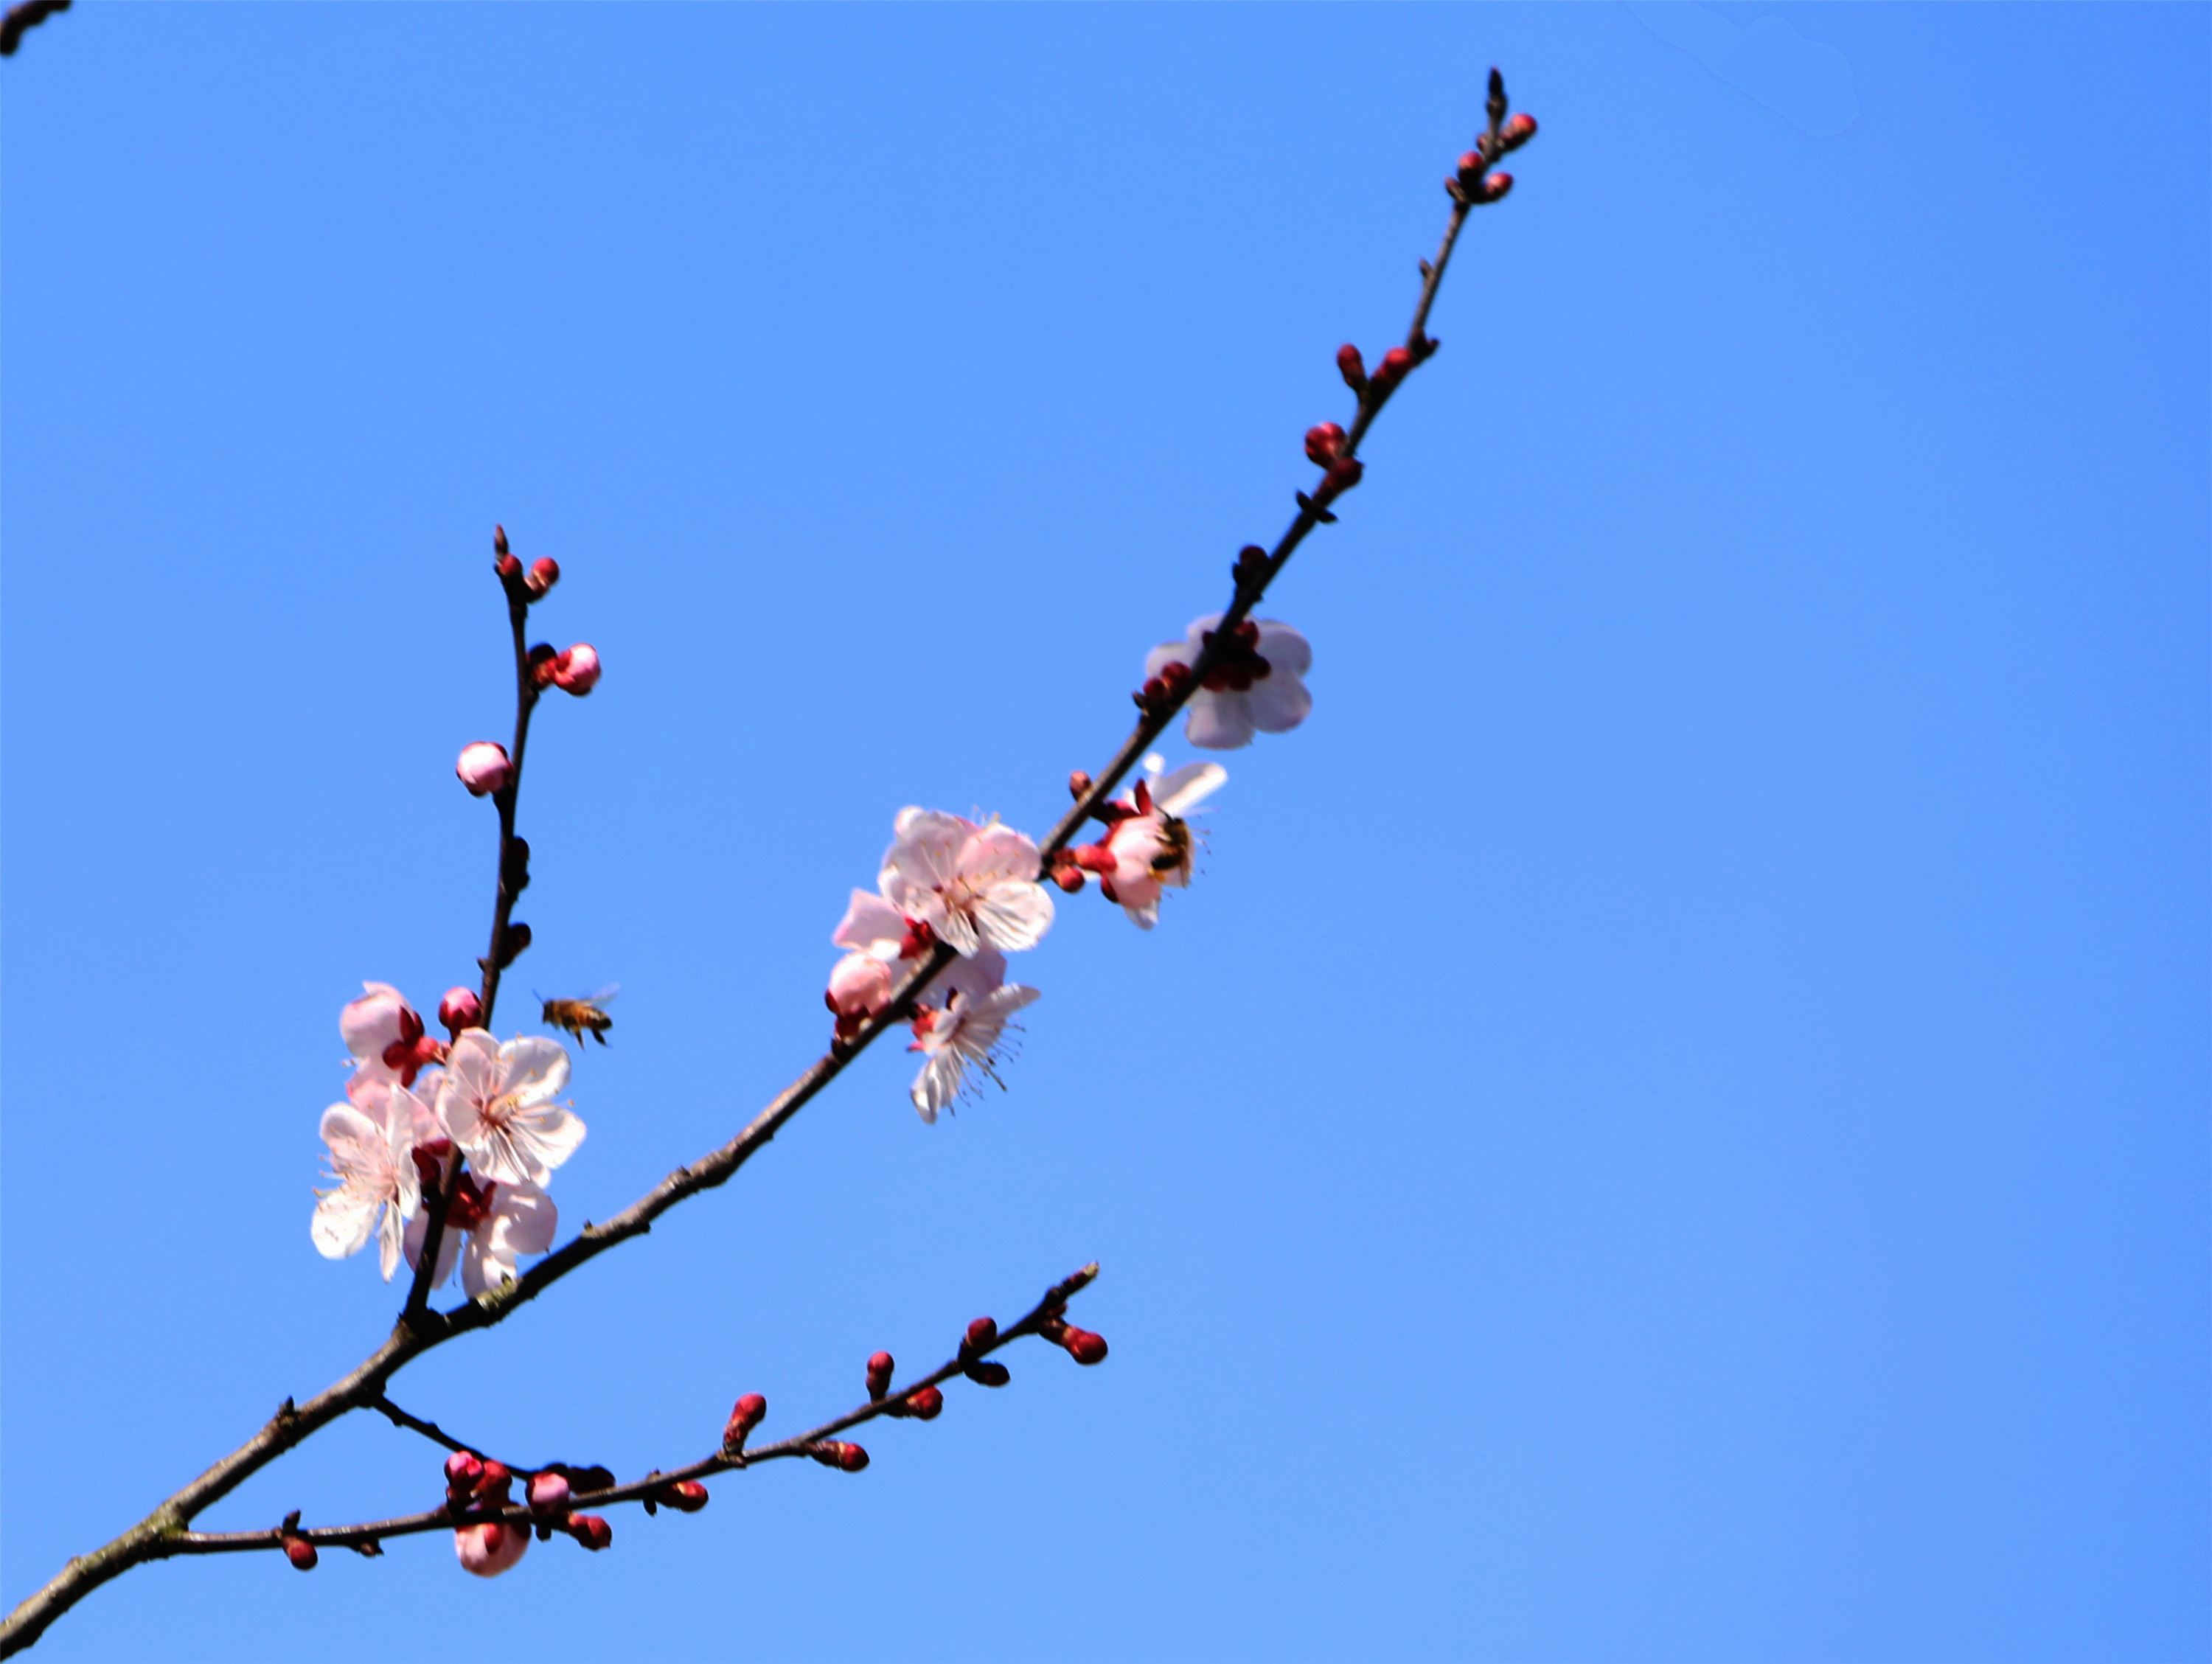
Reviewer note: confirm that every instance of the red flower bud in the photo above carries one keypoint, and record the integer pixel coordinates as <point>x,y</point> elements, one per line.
<point>545,573</point>
<point>1346,474</point>
<point>986,1372</point>
<point>542,665</point>
<point>924,1403</point>
<point>685,1495</point>
<point>1323,440</point>
<point>300,1552</point>
<point>1516,133</point>
<point>836,1453</point>
<point>980,1334</point>
<point>744,1418</point>
<point>1084,1346</point>
<point>1078,782</point>
<point>1065,873</point>
<point>1351,367</point>
<point>1495,187</point>
<point>508,567</point>
<point>499,540</point>
<point>593,1531</point>
<point>463,1468</point>
<point>1392,370</point>
<point>880,1376</point>
<point>461,1009</point>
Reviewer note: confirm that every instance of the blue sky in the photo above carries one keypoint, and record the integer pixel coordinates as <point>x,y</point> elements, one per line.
<point>1673,1123</point>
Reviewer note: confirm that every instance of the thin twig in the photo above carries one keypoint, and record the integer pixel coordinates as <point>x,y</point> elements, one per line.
<point>421,1329</point>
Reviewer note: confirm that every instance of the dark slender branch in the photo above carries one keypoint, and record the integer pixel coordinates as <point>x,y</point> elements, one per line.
<point>420,1329</point>
<point>431,1431</point>
<point>27,15</point>
<point>637,1490</point>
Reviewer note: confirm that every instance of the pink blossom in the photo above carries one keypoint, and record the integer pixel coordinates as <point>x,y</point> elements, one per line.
<point>461,1009</point>
<point>965,1033</point>
<point>376,1020</point>
<point>488,1226</point>
<point>1258,686</point>
<point>1151,844</point>
<point>496,1102</point>
<point>859,987</point>
<point>483,768</point>
<point>372,1157</point>
<point>489,1548</point>
<point>973,885</point>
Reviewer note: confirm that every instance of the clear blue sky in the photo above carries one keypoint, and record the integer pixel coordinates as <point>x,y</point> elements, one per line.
<point>1672,1124</point>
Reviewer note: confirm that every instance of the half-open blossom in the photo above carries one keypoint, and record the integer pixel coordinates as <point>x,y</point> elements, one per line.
<point>491,1547</point>
<point>372,1157</point>
<point>577,671</point>
<point>497,1102</point>
<point>1258,686</point>
<point>1150,846</point>
<point>963,1034</point>
<point>860,986</point>
<point>385,1034</point>
<point>973,885</point>
<point>488,1226</point>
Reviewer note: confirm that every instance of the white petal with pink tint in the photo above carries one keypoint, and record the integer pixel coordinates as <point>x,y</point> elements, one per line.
<point>497,1102</point>
<point>973,885</point>
<point>372,1149</point>
<point>1222,718</point>
<point>521,1220</point>
<point>964,1036</point>
<point>490,1548</point>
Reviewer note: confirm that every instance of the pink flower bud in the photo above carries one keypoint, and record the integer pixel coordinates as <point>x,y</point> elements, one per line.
<point>593,1531</point>
<point>544,575</point>
<point>744,1418</point>
<point>860,986</point>
<point>1323,440</point>
<point>577,671</point>
<point>1084,1346</point>
<point>463,1469</point>
<point>461,1009</point>
<point>549,1492</point>
<point>924,1403</point>
<point>483,768</point>
<point>1516,133</point>
<point>1495,187</point>
<point>488,1549</point>
<point>300,1552</point>
<point>1351,367</point>
<point>880,1376</point>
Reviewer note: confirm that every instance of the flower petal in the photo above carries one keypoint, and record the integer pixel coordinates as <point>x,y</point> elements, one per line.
<point>1175,793</point>
<point>869,921</point>
<point>1285,648</point>
<point>1012,916</point>
<point>1220,722</point>
<point>535,1067</point>
<point>342,1222</point>
<point>1278,704</point>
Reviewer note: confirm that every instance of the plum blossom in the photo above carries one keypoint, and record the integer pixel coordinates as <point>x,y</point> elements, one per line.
<point>963,1033</point>
<point>371,1155</point>
<point>1258,686</point>
<point>490,1548</point>
<point>1150,844</point>
<point>385,1035</point>
<point>488,1225</point>
<point>974,886</point>
<point>496,1102</point>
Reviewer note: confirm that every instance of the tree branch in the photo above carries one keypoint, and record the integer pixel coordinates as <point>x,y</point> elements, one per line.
<point>165,1531</point>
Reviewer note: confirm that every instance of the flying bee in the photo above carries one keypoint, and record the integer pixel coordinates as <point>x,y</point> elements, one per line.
<point>579,1015</point>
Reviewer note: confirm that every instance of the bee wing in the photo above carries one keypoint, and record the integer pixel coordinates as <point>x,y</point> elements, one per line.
<point>605,996</point>
<point>1175,793</point>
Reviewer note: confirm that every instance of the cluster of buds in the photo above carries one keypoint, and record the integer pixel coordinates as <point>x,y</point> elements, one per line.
<point>982,1335</point>
<point>1161,692</point>
<point>526,585</point>
<point>923,1404</point>
<point>573,670</point>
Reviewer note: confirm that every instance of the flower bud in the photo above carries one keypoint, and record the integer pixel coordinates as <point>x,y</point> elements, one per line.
<point>487,1549</point>
<point>300,1552</point>
<point>1494,188</point>
<point>499,540</point>
<point>685,1495</point>
<point>492,1482</point>
<point>924,1403</point>
<point>980,1334</point>
<point>1323,440</point>
<point>880,1376</point>
<point>1351,367</point>
<point>1470,169</point>
<point>985,1372</point>
<point>1392,370</point>
<point>1345,473</point>
<point>1516,133</point>
<point>461,1009</point>
<point>549,1492</point>
<point>463,1469</point>
<point>577,671</point>
<point>859,987</point>
<point>545,573</point>
<point>1078,782</point>
<point>512,942</point>
<point>483,768</point>
<point>593,1531</point>
<point>836,1453</point>
<point>1084,1346</point>
<point>508,567</point>
<point>744,1418</point>
<point>1066,874</point>
<point>541,661</point>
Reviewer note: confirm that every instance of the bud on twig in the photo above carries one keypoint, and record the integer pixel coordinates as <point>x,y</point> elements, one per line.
<point>1516,133</point>
<point>744,1418</point>
<point>1252,560</point>
<point>549,1493</point>
<point>836,1453</point>
<point>461,1009</point>
<point>1078,782</point>
<point>980,1334</point>
<point>300,1552</point>
<point>484,768</point>
<point>512,942</point>
<point>880,1376</point>
<point>1084,1346</point>
<point>545,573</point>
<point>1323,440</point>
<point>924,1403</point>
<point>988,1372</point>
<point>685,1495</point>
<point>1351,367</point>
<point>499,541</point>
<point>589,1529</point>
<point>577,671</point>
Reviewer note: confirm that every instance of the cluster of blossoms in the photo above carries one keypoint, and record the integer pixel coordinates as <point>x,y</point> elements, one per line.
<point>978,889</point>
<point>412,1103</point>
<point>477,1487</point>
